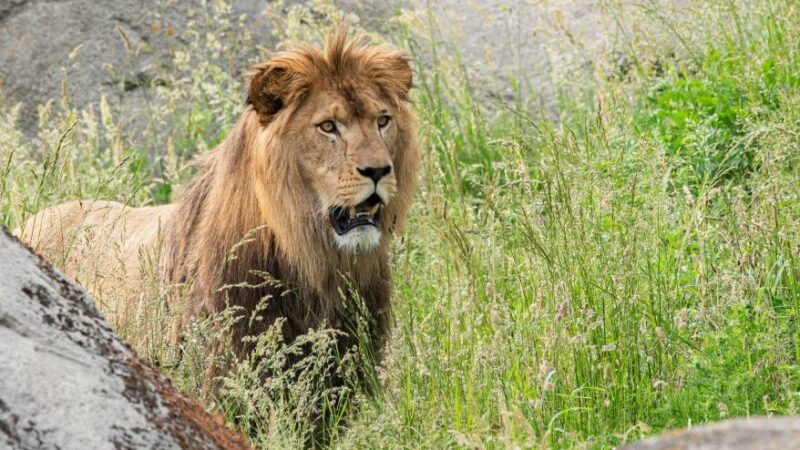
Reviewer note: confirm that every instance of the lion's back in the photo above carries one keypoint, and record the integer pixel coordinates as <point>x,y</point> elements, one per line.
<point>101,244</point>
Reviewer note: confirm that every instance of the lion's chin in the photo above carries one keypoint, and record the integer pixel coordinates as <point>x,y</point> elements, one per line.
<point>359,239</point>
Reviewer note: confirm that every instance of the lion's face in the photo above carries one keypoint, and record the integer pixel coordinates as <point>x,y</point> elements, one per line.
<point>347,158</point>
<point>346,137</point>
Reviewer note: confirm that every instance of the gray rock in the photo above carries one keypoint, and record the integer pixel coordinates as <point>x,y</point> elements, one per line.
<point>68,382</point>
<point>499,41</point>
<point>37,38</point>
<point>762,433</point>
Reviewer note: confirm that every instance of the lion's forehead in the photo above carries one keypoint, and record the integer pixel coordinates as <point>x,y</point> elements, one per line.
<point>345,101</point>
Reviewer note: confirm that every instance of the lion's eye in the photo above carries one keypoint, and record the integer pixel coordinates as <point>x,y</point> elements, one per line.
<point>383,121</point>
<point>328,126</point>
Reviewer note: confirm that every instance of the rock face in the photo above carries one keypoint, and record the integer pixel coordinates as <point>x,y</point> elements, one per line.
<point>776,433</point>
<point>499,41</point>
<point>39,38</point>
<point>68,382</point>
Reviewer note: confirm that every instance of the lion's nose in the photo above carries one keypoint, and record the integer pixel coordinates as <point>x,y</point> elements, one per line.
<point>375,173</point>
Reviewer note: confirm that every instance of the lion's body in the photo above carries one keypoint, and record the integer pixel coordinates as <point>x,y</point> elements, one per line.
<point>260,202</point>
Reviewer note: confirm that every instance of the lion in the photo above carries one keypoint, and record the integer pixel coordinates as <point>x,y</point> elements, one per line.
<point>308,188</point>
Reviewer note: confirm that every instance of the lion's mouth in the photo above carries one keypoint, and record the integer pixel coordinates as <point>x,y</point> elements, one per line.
<point>367,213</point>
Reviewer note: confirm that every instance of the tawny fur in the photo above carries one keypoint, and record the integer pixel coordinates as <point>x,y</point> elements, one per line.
<point>258,201</point>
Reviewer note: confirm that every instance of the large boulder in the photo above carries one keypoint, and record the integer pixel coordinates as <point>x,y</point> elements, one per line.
<point>502,43</point>
<point>41,41</point>
<point>68,382</point>
<point>763,433</point>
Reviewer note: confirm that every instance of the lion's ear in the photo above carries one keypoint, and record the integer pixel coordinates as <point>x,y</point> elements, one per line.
<point>269,87</point>
<point>393,72</point>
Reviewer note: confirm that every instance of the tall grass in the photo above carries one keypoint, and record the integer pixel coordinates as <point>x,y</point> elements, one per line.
<point>581,283</point>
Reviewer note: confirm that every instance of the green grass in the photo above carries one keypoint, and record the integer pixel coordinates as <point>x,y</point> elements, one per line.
<point>630,268</point>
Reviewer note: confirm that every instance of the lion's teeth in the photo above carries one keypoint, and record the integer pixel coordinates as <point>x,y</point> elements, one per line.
<point>374,209</point>
<point>352,211</point>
